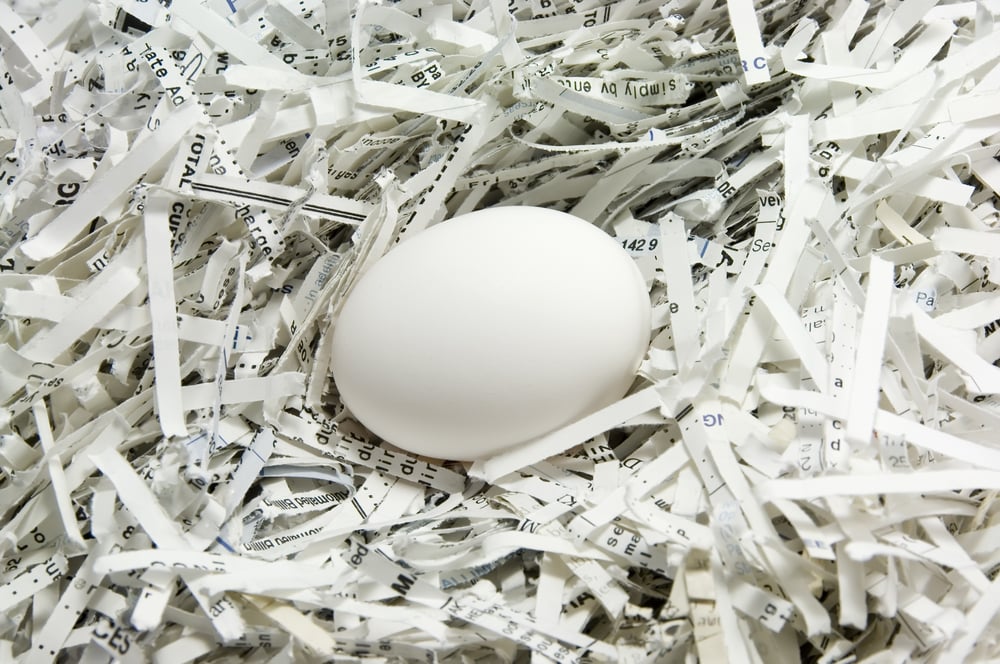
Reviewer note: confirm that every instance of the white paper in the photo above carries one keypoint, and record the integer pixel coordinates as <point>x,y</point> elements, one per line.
<point>804,467</point>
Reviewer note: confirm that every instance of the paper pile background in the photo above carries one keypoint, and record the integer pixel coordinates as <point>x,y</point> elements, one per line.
<point>806,469</point>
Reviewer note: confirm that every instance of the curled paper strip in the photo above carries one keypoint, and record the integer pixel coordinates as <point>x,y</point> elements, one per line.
<point>805,468</point>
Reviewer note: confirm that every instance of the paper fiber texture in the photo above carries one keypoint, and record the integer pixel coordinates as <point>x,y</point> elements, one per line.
<point>805,469</point>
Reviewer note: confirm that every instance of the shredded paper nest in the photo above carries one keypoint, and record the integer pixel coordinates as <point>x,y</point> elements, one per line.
<point>805,469</point>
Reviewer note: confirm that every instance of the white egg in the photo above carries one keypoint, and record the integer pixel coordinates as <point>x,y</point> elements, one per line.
<point>489,330</point>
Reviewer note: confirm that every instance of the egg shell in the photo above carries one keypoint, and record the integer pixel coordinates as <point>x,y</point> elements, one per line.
<point>489,330</point>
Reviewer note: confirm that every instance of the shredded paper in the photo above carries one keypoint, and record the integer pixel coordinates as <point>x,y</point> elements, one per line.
<point>806,468</point>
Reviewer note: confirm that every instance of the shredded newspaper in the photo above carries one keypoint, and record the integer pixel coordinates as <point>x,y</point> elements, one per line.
<point>806,468</point>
